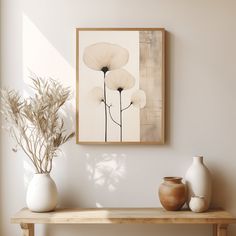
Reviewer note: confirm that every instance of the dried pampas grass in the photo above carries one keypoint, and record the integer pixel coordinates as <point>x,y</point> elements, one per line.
<point>34,122</point>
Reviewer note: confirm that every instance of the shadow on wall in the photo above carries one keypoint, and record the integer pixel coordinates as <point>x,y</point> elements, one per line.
<point>100,175</point>
<point>105,172</point>
<point>169,48</point>
<point>223,191</point>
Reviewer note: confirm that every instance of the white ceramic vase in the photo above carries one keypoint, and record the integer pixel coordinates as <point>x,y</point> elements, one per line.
<point>197,204</point>
<point>41,194</point>
<point>198,181</point>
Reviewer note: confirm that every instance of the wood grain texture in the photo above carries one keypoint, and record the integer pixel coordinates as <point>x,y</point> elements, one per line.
<point>214,230</point>
<point>221,230</point>
<point>124,216</point>
<point>27,229</point>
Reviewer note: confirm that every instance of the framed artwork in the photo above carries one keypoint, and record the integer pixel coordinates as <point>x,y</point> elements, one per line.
<point>120,85</point>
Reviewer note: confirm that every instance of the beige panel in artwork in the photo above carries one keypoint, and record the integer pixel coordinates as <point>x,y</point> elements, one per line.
<point>151,82</point>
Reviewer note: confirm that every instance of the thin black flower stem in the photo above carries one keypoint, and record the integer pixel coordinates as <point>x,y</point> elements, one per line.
<point>120,116</point>
<point>105,107</point>
<point>109,109</point>
<point>126,107</point>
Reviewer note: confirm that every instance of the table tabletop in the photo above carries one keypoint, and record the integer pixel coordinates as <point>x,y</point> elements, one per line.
<point>123,216</point>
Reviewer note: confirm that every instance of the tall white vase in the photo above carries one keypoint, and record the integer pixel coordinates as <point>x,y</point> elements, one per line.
<point>198,181</point>
<point>41,194</point>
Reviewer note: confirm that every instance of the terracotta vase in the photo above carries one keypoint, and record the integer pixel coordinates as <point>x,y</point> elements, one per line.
<point>172,193</point>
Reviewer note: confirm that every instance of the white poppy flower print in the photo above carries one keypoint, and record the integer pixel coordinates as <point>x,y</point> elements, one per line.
<point>105,56</point>
<point>96,96</point>
<point>119,80</point>
<point>138,99</point>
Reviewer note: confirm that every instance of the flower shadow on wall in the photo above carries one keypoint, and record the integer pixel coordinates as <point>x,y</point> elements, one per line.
<point>106,171</point>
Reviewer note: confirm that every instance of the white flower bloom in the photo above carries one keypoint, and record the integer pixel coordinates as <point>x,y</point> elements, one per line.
<point>96,95</point>
<point>138,99</point>
<point>105,56</point>
<point>119,80</point>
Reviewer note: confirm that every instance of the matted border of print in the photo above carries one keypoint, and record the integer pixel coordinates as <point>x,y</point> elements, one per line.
<point>120,85</point>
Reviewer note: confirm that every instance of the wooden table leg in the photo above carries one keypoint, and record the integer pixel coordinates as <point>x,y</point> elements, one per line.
<point>28,229</point>
<point>221,230</point>
<point>214,230</point>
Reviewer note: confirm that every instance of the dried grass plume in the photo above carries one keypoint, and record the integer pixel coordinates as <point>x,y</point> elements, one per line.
<point>35,123</point>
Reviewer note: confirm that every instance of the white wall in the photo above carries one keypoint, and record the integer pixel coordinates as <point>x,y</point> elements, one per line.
<point>201,112</point>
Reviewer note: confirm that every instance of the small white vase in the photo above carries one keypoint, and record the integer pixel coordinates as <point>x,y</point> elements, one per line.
<point>41,193</point>
<point>198,181</point>
<point>197,204</point>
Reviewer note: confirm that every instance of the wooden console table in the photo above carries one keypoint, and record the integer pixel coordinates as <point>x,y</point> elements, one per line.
<point>218,218</point>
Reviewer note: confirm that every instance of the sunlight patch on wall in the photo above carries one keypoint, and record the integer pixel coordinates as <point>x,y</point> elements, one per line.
<point>42,58</point>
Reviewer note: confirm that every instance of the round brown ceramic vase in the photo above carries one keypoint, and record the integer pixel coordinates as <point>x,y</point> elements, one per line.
<point>172,193</point>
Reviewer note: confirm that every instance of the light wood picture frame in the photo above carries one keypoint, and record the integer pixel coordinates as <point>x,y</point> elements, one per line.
<point>120,85</point>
